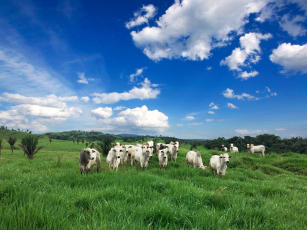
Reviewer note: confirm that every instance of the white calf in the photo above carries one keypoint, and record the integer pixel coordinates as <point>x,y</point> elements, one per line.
<point>194,158</point>
<point>173,151</point>
<point>141,155</point>
<point>218,163</point>
<point>233,149</point>
<point>113,158</point>
<point>224,148</point>
<point>163,159</point>
<point>256,149</point>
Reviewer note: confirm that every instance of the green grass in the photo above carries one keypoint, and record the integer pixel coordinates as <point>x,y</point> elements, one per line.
<point>48,192</point>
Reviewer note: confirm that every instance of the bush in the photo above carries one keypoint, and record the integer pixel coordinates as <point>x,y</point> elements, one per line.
<point>104,146</point>
<point>12,140</point>
<point>29,145</point>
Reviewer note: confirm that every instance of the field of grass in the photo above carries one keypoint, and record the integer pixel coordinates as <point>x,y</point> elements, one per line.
<point>49,193</point>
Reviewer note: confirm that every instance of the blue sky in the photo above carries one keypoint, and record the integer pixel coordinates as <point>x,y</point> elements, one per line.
<point>190,68</point>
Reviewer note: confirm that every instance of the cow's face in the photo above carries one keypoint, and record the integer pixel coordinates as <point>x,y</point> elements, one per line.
<point>247,146</point>
<point>225,158</point>
<point>92,155</point>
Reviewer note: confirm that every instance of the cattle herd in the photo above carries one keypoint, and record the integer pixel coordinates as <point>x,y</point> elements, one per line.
<point>142,154</point>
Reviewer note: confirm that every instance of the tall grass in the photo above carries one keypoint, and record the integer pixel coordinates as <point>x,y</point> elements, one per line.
<point>256,193</point>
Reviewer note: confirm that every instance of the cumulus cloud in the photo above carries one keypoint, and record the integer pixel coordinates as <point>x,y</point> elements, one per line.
<point>85,99</point>
<point>192,28</point>
<point>213,106</point>
<point>291,57</point>
<point>146,91</point>
<point>209,120</point>
<point>231,106</point>
<point>100,112</point>
<point>83,80</point>
<point>136,74</point>
<point>211,112</point>
<point>247,54</point>
<point>136,119</point>
<point>229,93</point>
<point>141,17</point>
<point>245,75</point>
<point>249,132</point>
<point>190,117</point>
<point>269,92</point>
<point>36,112</point>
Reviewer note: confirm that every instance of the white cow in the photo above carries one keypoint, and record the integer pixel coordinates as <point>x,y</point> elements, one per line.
<point>224,148</point>
<point>218,163</point>
<point>256,149</point>
<point>150,143</point>
<point>163,158</point>
<point>177,145</point>
<point>233,149</point>
<point>113,158</point>
<point>88,158</point>
<point>123,155</point>
<point>141,155</point>
<point>173,151</point>
<point>194,158</point>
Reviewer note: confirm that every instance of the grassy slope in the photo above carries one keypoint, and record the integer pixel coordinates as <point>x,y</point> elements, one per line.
<point>256,193</point>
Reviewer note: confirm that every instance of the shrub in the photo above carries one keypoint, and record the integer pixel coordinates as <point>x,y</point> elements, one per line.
<point>29,145</point>
<point>12,140</point>
<point>104,146</point>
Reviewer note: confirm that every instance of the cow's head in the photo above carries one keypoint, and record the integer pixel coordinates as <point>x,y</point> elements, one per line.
<point>225,158</point>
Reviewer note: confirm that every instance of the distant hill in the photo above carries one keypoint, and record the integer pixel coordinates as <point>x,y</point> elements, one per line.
<point>128,135</point>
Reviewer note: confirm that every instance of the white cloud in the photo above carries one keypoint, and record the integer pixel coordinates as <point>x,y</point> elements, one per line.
<point>269,92</point>
<point>85,99</point>
<point>293,26</point>
<point>213,106</point>
<point>291,57</point>
<point>146,91</point>
<point>118,108</point>
<point>100,112</point>
<point>209,120</point>
<point>136,74</point>
<point>179,125</point>
<point>245,75</point>
<point>137,119</point>
<point>247,54</point>
<point>231,106</point>
<point>190,117</point>
<point>229,93</point>
<point>191,28</point>
<point>141,17</point>
<point>50,100</point>
<point>249,132</point>
<point>280,129</point>
<point>35,113</point>
<point>211,112</point>
<point>82,79</point>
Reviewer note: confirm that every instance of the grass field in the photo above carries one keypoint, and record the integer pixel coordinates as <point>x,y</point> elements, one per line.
<point>49,193</point>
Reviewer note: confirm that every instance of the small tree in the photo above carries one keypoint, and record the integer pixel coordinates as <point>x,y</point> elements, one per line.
<point>50,138</point>
<point>0,146</point>
<point>104,146</point>
<point>29,145</point>
<point>12,140</point>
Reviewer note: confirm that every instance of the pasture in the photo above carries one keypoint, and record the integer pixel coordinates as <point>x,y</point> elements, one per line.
<point>48,192</point>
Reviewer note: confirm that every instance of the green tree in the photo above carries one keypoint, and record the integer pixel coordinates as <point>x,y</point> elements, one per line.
<point>29,145</point>
<point>12,140</point>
